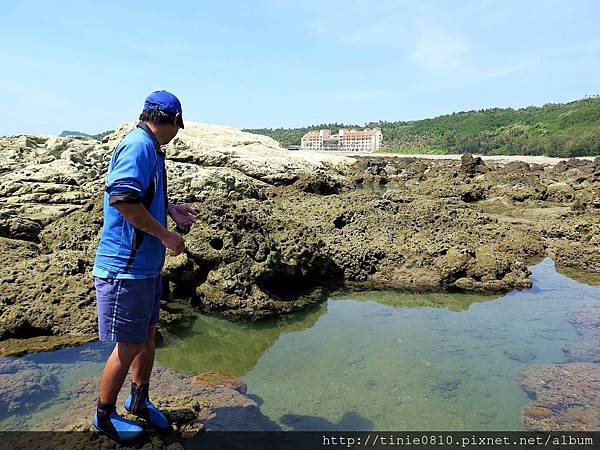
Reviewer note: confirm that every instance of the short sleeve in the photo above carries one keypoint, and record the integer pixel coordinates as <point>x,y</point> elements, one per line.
<point>130,173</point>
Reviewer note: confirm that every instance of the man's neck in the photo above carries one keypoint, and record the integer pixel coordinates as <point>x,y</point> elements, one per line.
<point>154,130</point>
<point>155,133</point>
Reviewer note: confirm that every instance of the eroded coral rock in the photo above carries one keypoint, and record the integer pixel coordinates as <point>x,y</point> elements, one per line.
<point>23,385</point>
<point>191,405</point>
<point>278,230</point>
<point>565,397</point>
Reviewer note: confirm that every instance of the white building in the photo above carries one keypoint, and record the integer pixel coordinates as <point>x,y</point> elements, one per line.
<point>368,140</point>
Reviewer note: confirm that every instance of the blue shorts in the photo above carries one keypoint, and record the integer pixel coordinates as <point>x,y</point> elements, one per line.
<point>127,308</point>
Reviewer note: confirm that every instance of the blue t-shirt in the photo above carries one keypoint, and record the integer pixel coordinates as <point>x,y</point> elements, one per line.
<point>136,174</point>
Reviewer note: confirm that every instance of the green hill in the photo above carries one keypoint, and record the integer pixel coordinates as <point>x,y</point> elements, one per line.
<point>98,136</point>
<point>555,129</point>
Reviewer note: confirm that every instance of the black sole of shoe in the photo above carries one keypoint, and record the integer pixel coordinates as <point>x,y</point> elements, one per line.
<point>116,438</point>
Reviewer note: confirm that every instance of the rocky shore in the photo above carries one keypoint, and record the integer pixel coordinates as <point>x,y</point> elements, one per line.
<point>279,230</point>
<point>212,401</point>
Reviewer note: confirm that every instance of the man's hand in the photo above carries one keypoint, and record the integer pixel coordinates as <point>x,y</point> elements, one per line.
<point>174,242</point>
<point>137,215</point>
<point>183,215</point>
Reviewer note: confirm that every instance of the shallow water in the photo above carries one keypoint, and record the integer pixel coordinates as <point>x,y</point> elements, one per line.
<point>373,360</point>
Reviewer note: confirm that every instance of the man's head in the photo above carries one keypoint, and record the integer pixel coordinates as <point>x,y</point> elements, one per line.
<point>163,113</point>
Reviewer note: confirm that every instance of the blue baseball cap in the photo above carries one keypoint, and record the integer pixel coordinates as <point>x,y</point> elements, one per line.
<point>164,101</point>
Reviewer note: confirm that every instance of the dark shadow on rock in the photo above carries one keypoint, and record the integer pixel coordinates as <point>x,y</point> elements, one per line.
<point>350,421</point>
<point>236,418</point>
<point>257,398</point>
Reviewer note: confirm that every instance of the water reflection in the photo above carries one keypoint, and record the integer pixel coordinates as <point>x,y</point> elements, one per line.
<point>213,344</point>
<point>451,301</point>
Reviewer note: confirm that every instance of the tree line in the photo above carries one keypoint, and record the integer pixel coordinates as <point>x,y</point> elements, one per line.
<point>555,129</point>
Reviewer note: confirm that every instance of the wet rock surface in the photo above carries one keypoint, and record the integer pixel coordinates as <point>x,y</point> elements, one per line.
<point>565,397</point>
<point>23,384</point>
<point>191,405</point>
<point>210,401</point>
<point>587,324</point>
<point>278,231</point>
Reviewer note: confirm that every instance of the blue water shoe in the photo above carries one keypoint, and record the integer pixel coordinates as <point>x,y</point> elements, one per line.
<point>140,405</point>
<point>107,421</point>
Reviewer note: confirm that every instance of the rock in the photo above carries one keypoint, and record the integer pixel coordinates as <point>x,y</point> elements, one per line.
<point>18,347</point>
<point>24,229</point>
<point>571,163</point>
<point>587,325</point>
<point>473,194</point>
<point>321,185</point>
<point>515,166</point>
<point>565,397</point>
<point>191,405</point>
<point>49,295</point>
<point>586,351</point>
<point>587,199</point>
<point>537,412</point>
<point>14,251</point>
<point>520,355</point>
<point>23,386</point>
<point>279,231</point>
<point>222,379</point>
<point>575,254</point>
<point>521,188</point>
<point>448,389</point>
<point>472,165</point>
<point>560,192</point>
<point>577,413</point>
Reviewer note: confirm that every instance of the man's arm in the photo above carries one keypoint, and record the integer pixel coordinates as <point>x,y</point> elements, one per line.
<point>137,215</point>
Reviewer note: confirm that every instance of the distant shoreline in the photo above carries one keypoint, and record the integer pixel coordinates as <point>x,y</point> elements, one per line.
<point>501,159</point>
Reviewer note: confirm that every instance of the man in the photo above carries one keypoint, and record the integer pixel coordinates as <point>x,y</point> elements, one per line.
<point>129,260</point>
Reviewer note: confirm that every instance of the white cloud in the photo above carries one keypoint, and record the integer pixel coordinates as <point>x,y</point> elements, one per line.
<point>441,53</point>
<point>453,59</point>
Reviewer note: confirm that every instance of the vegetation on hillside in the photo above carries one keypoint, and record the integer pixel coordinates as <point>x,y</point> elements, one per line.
<point>555,129</point>
<point>98,136</point>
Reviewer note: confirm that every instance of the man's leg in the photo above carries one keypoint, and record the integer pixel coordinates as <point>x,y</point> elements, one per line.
<point>138,403</point>
<point>107,419</point>
<point>124,312</point>
<point>116,369</point>
<point>141,367</point>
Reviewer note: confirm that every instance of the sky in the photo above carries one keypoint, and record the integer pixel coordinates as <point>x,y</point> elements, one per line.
<point>88,65</point>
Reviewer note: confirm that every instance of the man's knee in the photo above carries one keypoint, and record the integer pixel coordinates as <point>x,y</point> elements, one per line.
<point>128,350</point>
